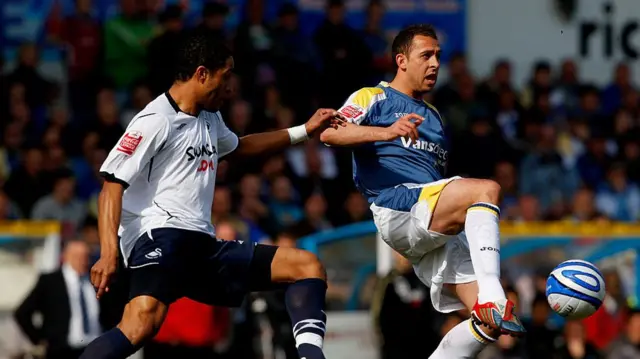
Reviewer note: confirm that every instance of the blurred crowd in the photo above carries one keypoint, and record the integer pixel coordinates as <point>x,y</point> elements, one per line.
<point>561,149</point>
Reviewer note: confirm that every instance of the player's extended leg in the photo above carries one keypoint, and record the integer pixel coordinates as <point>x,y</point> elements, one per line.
<point>141,320</point>
<point>472,204</point>
<point>466,339</point>
<point>304,297</point>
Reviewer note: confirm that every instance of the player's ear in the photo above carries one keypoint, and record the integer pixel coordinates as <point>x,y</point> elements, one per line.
<point>401,61</point>
<point>201,74</point>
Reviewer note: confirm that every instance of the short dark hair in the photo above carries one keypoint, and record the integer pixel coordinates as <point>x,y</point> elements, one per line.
<point>198,49</point>
<point>403,41</point>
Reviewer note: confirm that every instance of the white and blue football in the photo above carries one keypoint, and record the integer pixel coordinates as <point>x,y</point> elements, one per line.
<point>575,289</point>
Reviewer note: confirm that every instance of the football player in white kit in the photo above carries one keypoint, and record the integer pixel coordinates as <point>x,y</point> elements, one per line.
<point>155,212</point>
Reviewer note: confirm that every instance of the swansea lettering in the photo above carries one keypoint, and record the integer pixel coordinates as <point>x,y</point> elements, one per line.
<point>205,150</point>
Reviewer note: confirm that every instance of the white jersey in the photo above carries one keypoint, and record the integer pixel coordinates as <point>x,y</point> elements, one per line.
<point>167,161</point>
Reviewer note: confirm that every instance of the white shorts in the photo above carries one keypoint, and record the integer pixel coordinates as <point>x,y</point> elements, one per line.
<point>402,215</point>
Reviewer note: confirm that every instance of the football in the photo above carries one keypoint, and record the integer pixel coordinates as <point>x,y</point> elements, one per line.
<point>575,289</point>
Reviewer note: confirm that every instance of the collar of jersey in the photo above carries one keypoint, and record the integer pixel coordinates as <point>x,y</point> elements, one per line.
<point>386,84</point>
<point>175,106</point>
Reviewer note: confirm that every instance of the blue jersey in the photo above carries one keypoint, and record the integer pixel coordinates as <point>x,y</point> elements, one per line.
<point>382,165</point>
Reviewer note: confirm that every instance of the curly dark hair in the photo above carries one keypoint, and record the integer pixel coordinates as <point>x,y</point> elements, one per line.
<point>198,49</point>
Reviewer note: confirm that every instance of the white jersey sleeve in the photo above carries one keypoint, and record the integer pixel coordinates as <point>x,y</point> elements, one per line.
<point>227,140</point>
<point>144,137</point>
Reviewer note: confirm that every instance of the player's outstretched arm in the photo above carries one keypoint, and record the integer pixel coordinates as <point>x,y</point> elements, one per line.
<point>261,143</point>
<point>109,210</point>
<point>353,135</point>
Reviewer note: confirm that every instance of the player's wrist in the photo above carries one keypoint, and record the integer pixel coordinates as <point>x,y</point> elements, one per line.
<point>298,134</point>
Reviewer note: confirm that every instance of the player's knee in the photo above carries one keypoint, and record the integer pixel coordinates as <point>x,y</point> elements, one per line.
<point>488,191</point>
<point>142,319</point>
<point>309,266</point>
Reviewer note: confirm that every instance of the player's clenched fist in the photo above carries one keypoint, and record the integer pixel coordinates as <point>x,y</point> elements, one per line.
<point>406,126</point>
<point>323,119</point>
<point>102,272</point>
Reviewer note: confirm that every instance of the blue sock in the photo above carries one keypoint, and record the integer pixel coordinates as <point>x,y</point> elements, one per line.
<point>305,304</point>
<point>110,345</point>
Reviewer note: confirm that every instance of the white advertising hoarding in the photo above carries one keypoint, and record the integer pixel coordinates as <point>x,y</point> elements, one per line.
<point>600,34</point>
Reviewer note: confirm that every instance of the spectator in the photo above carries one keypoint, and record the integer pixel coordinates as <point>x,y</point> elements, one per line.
<point>405,321</point>
<point>466,106</point>
<point>528,209</point>
<point>27,183</point>
<point>356,209</point>
<point>448,93</point>
<point>8,211</point>
<point>213,20</point>
<point>565,96</point>
<point>574,344</point>
<point>61,205</point>
<point>376,41</point>
<point>276,311</point>
<point>67,303</point>
<point>628,345</point>
<point>505,175</point>
<point>314,219</point>
<point>108,124</point>
<point>293,54</point>
<point>190,330</point>
<point>583,207</point>
<point>480,134</point>
<point>618,198</point>
<point>608,321</point>
<point>252,47</point>
<point>543,174</point>
<point>140,98</point>
<point>490,90</point>
<point>38,90</point>
<point>612,95</point>
<point>592,164</point>
<point>283,207</point>
<point>540,335</point>
<point>126,37</point>
<point>539,83</point>
<point>344,55</point>
<point>81,35</point>
<point>161,62</point>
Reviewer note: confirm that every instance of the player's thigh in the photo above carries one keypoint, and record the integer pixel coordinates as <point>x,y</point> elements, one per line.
<point>237,268</point>
<point>231,270</point>
<point>403,215</point>
<point>162,260</point>
<point>455,198</point>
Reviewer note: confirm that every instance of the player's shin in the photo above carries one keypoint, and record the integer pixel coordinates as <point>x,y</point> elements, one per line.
<point>305,300</point>
<point>483,235</point>
<point>464,341</point>
<point>110,345</point>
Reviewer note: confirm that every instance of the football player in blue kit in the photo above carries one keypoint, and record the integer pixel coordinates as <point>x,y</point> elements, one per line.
<point>447,227</point>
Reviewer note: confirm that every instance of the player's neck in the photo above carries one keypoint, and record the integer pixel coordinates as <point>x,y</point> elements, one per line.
<point>405,88</point>
<point>185,99</point>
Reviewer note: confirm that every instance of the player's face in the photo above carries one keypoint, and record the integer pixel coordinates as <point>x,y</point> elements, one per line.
<point>423,63</point>
<point>216,87</point>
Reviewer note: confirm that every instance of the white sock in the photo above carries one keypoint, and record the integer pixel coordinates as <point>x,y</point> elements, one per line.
<point>483,233</point>
<point>464,341</point>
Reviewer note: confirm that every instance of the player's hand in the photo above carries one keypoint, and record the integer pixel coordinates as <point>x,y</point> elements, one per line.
<point>102,272</point>
<point>406,126</point>
<point>323,119</point>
